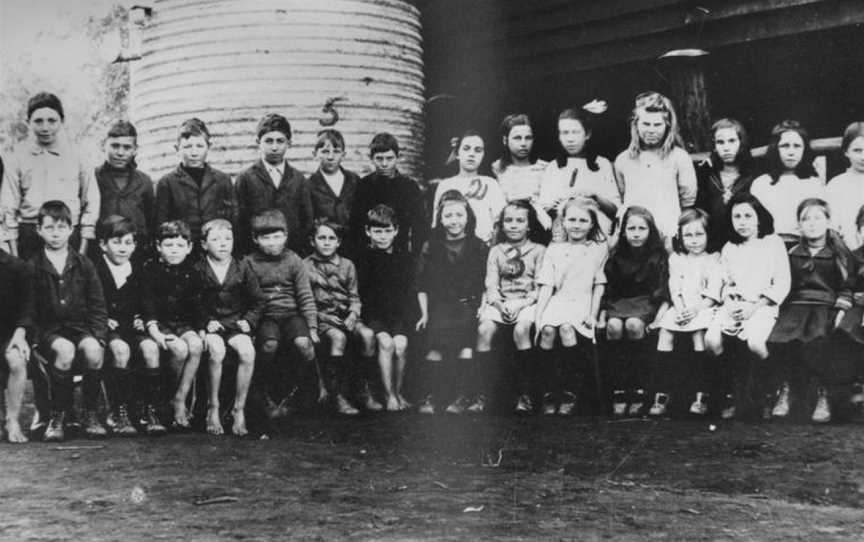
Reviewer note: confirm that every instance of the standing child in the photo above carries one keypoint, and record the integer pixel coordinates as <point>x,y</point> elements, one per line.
<point>845,192</point>
<point>450,289</point>
<point>334,283</point>
<point>511,301</point>
<point>483,193</point>
<point>289,318</point>
<point>518,175</point>
<point>125,190</point>
<point>122,285</point>
<point>823,273</point>
<point>48,167</point>
<point>272,183</point>
<point>388,186</point>
<point>636,275</point>
<point>387,289</point>
<point>572,282</point>
<point>791,178</point>
<point>169,309</point>
<point>579,171</point>
<point>756,280</point>
<point>230,304</point>
<point>332,186</point>
<point>195,192</point>
<point>695,284</point>
<point>71,317</point>
<point>728,172</point>
<point>16,323</point>
<point>655,172</point>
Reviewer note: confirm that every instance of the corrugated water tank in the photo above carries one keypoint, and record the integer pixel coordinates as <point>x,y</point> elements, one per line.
<point>229,62</point>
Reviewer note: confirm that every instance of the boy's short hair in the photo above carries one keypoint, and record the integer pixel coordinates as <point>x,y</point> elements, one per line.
<point>274,122</point>
<point>215,225</point>
<point>330,135</point>
<point>122,128</point>
<point>172,229</point>
<point>381,216</point>
<point>269,221</point>
<point>193,127</point>
<point>324,222</point>
<point>383,142</point>
<point>57,210</point>
<point>115,226</point>
<point>45,99</point>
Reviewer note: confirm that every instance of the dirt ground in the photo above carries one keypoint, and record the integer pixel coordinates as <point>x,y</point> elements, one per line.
<point>409,477</point>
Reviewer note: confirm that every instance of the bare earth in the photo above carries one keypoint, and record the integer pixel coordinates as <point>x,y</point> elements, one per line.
<point>407,477</point>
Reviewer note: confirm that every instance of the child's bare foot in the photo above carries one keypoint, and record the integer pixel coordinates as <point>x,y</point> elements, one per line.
<point>214,425</point>
<point>403,404</point>
<point>238,428</point>
<point>323,396</point>
<point>181,416</point>
<point>393,404</point>
<point>14,433</point>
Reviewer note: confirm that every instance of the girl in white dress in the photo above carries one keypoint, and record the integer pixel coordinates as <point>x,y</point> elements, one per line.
<point>572,282</point>
<point>695,282</point>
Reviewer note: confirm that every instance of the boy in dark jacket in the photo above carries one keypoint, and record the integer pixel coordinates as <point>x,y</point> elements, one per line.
<point>16,324</point>
<point>332,187</point>
<point>124,189</point>
<point>71,317</point>
<point>289,316</point>
<point>271,183</point>
<point>195,192</point>
<point>389,187</point>
<point>389,296</point>
<point>170,294</point>
<point>230,304</point>
<point>122,286</point>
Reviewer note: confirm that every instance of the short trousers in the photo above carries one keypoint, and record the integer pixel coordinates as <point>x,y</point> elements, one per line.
<point>176,328</point>
<point>283,330</point>
<point>129,336</point>
<point>71,334</point>
<point>527,314</point>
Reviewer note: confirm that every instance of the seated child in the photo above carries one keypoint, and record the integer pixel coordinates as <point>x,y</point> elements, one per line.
<point>289,317</point>
<point>16,323</point>
<point>170,291</point>
<point>121,284</point>
<point>511,300</point>
<point>450,290</point>
<point>386,280</point>
<point>71,318</point>
<point>334,283</point>
<point>230,306</point>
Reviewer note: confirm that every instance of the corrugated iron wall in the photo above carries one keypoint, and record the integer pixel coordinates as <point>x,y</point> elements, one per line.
<point>229,62</point>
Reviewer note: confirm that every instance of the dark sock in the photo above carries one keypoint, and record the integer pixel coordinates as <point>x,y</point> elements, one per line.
<point>335,375</point>
<point>153,386</point>
<point>92,388</point>
<point>120,389</point>
<point>62,387</point>
<point>526,372</point>
<point>548,360</point>
<point>661,373</point>
<point>572,370</point>
<point>480,366</point>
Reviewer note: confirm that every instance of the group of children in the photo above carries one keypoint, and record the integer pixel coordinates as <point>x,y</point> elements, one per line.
<point>648,285</point>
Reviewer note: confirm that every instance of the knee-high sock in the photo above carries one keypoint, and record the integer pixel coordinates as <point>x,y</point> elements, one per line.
<point>526,372</point>
<point>335,371</point>
<point>92,384</point>
<point>617,364</point>
<point>62,388</point>
<point>153,386</point>
<point>550,369</point>
<point>483,373</point>
<point>574,368</point>
<point>662,370</point>
<point>120,389</point>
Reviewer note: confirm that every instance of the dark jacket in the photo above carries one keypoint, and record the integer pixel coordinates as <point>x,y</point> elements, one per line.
<point>16,291</point>
<point>169,293</point>
<point>388,290</point>
<point>73,300</point>
<point>635,276</point>
<point>404,196</point>
<point>178,197</point>
<point>285,286</point>
<point>327,204</point>
<point>450,279</point>
<point>256,192</point>
<point>334,285</point>
<point>124,303</point>
<point>136,201</point>
<point>819,279</point>
<point>709,198</point>
<point>238,298</point>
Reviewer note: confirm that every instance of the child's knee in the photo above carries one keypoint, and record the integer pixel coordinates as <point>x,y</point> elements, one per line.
<point>196,345</point>
<point>216,348</point>
<point>635,328</point>
<point>568,335</point>
<point>270,346</point>
<point>64,353</point>
<point>338,340</point>
<point>120,353</point>
<point>614,329</point>
<point>92,352</point>
<point>758,347</point>
<point>385,343</point>
<point>149,353</point>
<point>485,334</point>
<point>305,347</point>
<point>400,345</point>
<point>522,330</point>
<point>547,336</point>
